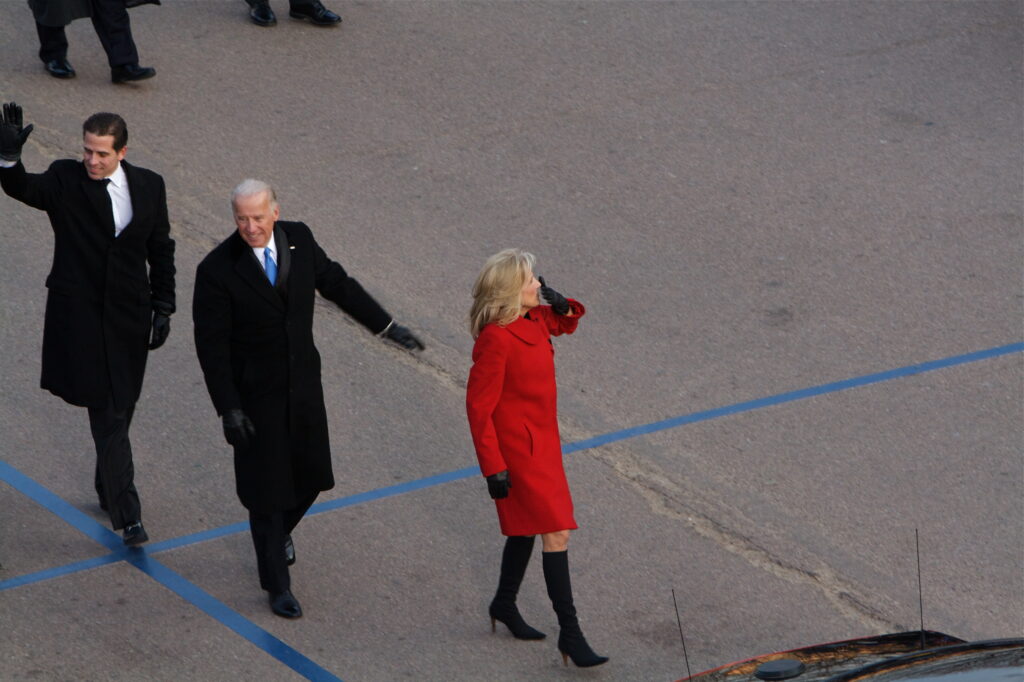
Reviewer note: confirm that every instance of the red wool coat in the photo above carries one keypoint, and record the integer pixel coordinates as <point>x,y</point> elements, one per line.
<point>512,407</point>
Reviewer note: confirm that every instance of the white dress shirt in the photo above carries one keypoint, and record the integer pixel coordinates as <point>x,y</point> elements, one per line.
<point>120,199</point>
<point>272,248</point>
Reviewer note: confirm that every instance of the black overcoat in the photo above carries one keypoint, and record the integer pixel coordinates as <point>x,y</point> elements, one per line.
<point>255,346</point>
<point>59,12</point>
<point>100,295</point>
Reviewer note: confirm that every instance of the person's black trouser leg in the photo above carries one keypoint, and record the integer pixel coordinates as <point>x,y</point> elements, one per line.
<point>268,532</point>
<point>53,43</point>
<point>115,472</point>
<point>114,29</point>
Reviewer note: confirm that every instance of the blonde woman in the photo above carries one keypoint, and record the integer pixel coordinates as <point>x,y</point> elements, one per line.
<point>511,405</point>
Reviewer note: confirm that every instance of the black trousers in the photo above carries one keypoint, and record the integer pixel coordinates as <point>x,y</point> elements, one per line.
<point>268,534</point>
<point>115,473</point>
<point>113,27</point>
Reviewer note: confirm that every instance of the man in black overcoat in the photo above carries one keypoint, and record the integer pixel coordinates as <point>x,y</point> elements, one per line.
<point>105,309</point>
<point>253,313</point>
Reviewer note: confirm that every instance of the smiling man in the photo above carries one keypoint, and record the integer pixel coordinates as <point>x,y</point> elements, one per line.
<point>253,312</point>
<point>110,289</point>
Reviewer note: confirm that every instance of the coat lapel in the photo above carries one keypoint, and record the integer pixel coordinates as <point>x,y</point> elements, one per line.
<point>284,259</point>
<point>251,272</point>
<point>136,189</point>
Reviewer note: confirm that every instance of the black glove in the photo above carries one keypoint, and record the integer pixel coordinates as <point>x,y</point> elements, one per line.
<point>237,428</point>
<point>402,336</point>
<point>161,328</point>
<point>498,485</point>
<point>554,299</point>
<point>12,135</point>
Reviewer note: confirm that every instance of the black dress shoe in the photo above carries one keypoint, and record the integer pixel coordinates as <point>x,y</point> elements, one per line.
<point>135,534</point>
<point>131,72</point>
<point>60,68</point>
<point>315,12</point>
<point>289,550</point>
<point>285,604</point>
<point>261,14</point>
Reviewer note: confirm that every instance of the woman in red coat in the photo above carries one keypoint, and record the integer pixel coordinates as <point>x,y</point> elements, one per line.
<point>513,416</point>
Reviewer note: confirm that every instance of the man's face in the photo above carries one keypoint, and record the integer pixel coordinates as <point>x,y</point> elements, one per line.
<point>99,156</point>
<point>255,218</point>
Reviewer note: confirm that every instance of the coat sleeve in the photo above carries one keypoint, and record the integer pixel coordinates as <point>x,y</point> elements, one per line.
<point>211,315</point>
<point>160,253</point>
<point>483,391</point>
<point>38,190</point>
<point>336,285</point>
<point>561,324</point>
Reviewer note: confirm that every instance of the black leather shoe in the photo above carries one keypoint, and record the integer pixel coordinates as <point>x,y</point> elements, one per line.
<point>135,534</point>
<point>315,12</point>
<point>285,604</point>
<point>261,14</point>
<point>131,72</point>
<point>60,68</point>
<point>289,550</point>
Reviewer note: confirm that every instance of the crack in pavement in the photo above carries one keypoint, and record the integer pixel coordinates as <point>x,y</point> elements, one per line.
<point>730,530</point>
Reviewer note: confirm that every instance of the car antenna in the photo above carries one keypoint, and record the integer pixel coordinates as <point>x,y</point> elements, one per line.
<point>681,639</point>
<point>920,593</point>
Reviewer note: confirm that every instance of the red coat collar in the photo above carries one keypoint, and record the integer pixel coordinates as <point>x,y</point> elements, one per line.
<point>528,330</point>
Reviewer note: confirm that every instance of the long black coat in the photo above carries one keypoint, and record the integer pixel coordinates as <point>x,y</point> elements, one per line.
<point>100,296</point>
<point>59,12</point>
<point>255,345</point>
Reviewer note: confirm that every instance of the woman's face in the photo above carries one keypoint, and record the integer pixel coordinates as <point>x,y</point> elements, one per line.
<point>528,297</point>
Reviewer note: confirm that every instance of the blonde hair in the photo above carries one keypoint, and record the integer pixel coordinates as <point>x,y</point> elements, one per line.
<point>497,292</point>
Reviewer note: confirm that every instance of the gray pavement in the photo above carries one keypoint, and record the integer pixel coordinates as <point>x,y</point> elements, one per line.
<point>751,199</point>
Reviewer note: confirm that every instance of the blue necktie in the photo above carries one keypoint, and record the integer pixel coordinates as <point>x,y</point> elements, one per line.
<point>270,266</point>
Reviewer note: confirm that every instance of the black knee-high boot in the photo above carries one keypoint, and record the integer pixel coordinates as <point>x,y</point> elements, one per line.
<point>570,638</point>
<point>513,566</point>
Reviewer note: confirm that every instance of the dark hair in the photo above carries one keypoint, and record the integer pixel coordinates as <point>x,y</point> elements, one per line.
<point>104,123</point>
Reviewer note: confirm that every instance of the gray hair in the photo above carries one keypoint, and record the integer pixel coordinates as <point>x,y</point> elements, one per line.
<point>250,187</point>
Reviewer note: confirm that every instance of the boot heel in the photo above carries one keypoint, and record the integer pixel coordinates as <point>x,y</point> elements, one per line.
<point>493,626</point>
<point>565,659</point>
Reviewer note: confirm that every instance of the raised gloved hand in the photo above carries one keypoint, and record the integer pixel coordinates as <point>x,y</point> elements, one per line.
<point>12,134</point>
<point>402,336</point>
<point>161,328</point>
<point>498,485</point>
<point>238,429</point>
<point>554,299</point>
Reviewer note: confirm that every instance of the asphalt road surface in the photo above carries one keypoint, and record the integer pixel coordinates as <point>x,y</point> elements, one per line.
<point>751,198</point>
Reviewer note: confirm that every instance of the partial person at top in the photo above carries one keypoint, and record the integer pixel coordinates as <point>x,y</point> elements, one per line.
<point>312,11</point>
<point>113,28</point>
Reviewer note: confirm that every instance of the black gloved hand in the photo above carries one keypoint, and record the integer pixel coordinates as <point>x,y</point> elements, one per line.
<point>498,485</point>
<point>237,428</point>
<point>12,134</point>
<point>402,336</point>
<point>161,328</point>
<point>554,299</point>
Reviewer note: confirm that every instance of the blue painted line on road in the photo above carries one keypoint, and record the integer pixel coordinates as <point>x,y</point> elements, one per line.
<point>139,558</point>
<point>392,490</point>
<point>780,398</point>
<point>292,658</point>
<point>64,511</point>
<point>51,573</point>
<point>230,618</point>
<point>202,536</point>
